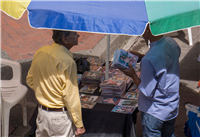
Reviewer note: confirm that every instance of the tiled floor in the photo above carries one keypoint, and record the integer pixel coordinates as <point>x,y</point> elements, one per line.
<point>20,41</point>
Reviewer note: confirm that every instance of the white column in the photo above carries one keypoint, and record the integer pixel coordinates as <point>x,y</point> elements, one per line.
<point>190,36</point>
<point>107,57</point>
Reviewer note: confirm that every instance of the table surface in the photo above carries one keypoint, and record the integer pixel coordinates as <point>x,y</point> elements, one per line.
<point>101,122</point>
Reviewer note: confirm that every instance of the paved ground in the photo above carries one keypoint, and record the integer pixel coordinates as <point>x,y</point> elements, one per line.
<point>19,42</point>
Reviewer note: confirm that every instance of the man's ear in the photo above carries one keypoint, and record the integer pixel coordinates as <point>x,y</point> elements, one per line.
<point>64,39</point>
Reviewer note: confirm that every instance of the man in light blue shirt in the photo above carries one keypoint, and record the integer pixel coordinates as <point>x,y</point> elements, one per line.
<point>158,99</point>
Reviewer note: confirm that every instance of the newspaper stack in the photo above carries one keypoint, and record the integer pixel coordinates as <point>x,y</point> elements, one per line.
<point>92,78</point>
<point>122,58</point>
<point>113,88</point>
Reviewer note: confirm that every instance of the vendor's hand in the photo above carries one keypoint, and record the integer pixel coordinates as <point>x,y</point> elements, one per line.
<point>79,131</point>
<point>129,72</point>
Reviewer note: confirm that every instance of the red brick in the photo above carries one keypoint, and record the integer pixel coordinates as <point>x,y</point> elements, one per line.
<point>3,23</point>
<point>16,37</point>
<point>36,47</point>
<point>26,27</point>
<point>50,42</point>
<point>43,43</point>
<point>5,17</point>
<point>13,24</point>
<point>21,31</point>
<point>4,33</point>
<point>49,31</point>
<point>27,43</point>
<point>8,29</point>
<point>14,56</point>
<point>23,50</point>
<point>30,38</point>
<point>10,42</point>
<point>46,37</point>
<point>27,56</point>
<point>6,48</point>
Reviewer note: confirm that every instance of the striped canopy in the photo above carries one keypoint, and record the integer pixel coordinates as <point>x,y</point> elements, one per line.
<point>128,17</point>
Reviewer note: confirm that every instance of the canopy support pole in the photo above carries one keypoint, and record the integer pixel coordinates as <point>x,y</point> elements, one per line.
<point>190,36</point>
<point>107,57</point>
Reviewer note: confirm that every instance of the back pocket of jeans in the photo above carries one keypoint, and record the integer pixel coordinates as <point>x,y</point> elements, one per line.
<point>59,125</point>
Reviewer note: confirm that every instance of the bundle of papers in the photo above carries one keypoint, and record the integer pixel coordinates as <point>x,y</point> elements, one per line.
<point>97,68</point>
<point>88,89</point>
<point>92,78</point>
<point>122,58</point>
<point>113,88</point>
<point>128,102</point>
<point>108,100</point>
<point>88,98</point>
<point>123,109</point>
<point>79,77</point>
<point>88,105</point>
<point>95,61</point>
<point>116,74</point>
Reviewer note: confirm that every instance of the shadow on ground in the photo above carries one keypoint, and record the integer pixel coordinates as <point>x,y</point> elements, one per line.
<point>189,66</point>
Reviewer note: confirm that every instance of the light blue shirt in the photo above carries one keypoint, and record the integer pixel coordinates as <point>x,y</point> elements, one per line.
<point>159,87</point>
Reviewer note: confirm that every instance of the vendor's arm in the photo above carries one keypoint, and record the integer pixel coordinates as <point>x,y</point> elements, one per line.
<point>131,73</point>
<point>140,56</point>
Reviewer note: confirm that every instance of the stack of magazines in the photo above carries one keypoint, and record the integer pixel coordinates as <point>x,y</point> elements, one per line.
<point>79,77</point>
<point>88,89</point>
<point>116,74</point>
<point>113,88</point>
<point>95,61</point>
<point>88,101</point>
<point>122,58</point>
<point>92,78</point>
<point>97,68</point>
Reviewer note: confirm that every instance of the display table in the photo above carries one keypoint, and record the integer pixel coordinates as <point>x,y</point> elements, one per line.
<point>101,122</point>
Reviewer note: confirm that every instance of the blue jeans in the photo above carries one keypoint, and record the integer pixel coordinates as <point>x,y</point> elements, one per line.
<point>154,127</point>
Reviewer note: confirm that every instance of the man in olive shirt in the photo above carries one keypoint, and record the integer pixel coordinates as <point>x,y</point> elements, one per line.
<point>53,77</point>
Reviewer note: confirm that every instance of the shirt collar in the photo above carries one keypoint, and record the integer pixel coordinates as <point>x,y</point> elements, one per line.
<point>155,42</point>
<point>61,47</point>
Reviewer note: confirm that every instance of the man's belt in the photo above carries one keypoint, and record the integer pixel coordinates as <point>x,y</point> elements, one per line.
<point>52,109</point>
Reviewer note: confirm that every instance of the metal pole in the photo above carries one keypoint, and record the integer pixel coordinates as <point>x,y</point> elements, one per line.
<point>107,57</point>
<point>190,36</point>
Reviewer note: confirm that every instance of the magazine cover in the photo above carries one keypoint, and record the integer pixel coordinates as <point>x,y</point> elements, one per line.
<point>88,89</point>
<point>123,109</point>
<point>122,58</point>
<point>88,105</point>
<point>88,98</point>
<point>132,88</point>
<point>131,95</point>
<point>108,100</point>
<point>92,75</point>
<point>127,102</point>
<point>112,83</point>
<point>97,68</point>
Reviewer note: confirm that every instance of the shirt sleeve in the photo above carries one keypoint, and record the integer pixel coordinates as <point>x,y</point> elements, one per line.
<point>71,94</point>
<point>148,79</point>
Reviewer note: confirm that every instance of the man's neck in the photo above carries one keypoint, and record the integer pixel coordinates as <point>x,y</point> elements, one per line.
<point>155,38</point>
